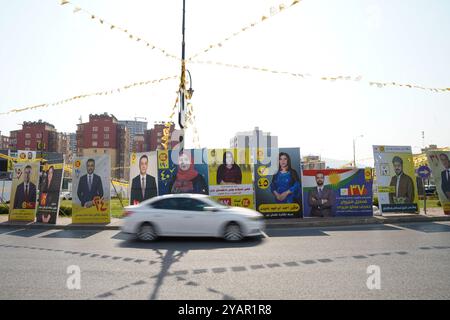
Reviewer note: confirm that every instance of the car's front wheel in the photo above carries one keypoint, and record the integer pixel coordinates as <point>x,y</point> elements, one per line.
<point>233,232</point>
<point>146,232</point>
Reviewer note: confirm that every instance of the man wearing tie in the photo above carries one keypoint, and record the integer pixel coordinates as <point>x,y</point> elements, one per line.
<point>445,175</point>
<point>402,183</point>
<point>143,186</point>
<point>90,186</point>
<point>25,196</point>
<point>321,199</point>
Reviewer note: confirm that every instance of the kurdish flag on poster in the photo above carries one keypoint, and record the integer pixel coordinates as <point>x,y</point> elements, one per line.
<point>337,192</point>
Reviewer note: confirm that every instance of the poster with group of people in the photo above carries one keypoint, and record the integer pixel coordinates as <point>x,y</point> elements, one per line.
<point>440,167</point>
<point>396,182</point>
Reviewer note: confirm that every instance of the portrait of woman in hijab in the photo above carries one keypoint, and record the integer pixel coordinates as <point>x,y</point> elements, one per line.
<point>187,179</point>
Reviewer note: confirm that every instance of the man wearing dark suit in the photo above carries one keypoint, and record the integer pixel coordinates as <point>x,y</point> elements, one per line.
<point>321,199</point>
<point>445,175</point>
<point>143,186</point>
<point>404,185</point>
<point>90,186</point>
<point>25,192</point>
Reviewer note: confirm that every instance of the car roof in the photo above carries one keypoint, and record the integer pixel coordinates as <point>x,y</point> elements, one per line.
<point>178,195</point>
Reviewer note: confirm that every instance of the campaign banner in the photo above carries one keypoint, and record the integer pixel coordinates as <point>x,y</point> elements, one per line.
<point>182,172</point>
<point>395,179</point>
<point>231,177</point>
<point>26,155</point>
<point>278,188</point>
<point>24,191</point>
<point>337,192</point>
<point>91,196</point>
<point>50,184</point>
<point>439,164</point>
<point>143,177</point>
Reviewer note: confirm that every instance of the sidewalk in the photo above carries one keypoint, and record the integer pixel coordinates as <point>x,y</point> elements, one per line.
<point>433,214</point>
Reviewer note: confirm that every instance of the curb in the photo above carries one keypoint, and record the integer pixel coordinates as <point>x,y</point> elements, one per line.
<point>270,224</point>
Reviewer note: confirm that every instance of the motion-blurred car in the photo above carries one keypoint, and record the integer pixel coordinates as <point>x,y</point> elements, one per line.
<point>190,215</point>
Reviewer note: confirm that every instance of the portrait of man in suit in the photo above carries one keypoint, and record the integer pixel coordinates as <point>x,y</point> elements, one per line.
<point>321,199</point>
<point>25,196</point>
<point>404,185</point>
<point>445,175</point>
<point>89,186</point>
<point>143,186</point>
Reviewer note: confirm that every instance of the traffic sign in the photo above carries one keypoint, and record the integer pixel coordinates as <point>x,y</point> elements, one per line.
<point>424,172</point>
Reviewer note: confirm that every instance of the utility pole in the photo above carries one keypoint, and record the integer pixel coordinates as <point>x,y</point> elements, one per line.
<point>182,112</point>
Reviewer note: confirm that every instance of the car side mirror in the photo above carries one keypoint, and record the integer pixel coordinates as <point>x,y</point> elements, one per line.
<point>210,209</point>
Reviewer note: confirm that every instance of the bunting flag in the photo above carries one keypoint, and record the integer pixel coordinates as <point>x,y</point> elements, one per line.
<point>273,12</point>
<point>100,93</point>
<point>111,26</point>
<point>324,78</point>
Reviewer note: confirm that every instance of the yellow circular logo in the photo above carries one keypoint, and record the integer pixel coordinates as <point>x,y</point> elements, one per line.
<point>77,164</point>
<point>263,183</point>
<point>263,171</point>
<point>334,178</point>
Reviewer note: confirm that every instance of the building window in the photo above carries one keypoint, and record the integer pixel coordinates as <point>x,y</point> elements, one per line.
<point>38,135</point>
<point>94,129</point>
<point>106,136</point>
<point>28,135</point>
<point>159,134</point>
<point>106,143</point>
<point>27,142</point>
<point>94,136</point>
<point>106,129</point>
<point>94,143</point>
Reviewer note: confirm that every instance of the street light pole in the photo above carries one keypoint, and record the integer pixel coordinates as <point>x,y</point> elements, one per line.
<point>182,112</point>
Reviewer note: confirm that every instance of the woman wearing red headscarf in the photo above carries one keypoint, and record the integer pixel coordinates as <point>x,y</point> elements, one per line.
<point>187,179</point>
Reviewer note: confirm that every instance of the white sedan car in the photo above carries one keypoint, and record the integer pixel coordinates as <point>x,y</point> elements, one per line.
<point>190,215</point>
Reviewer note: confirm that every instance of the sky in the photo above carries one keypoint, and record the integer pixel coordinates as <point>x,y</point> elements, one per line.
<point>49,53</point>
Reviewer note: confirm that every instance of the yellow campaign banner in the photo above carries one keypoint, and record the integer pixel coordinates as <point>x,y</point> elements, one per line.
<point>280,207</point>
<point>396,179</point>
<point>91,196</point>
<point>231,177</point>
<point>24,191</point>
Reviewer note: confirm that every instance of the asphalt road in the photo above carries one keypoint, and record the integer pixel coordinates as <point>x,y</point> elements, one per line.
<point>308,263</point>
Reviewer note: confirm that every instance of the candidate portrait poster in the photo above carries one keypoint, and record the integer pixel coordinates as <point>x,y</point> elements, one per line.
<point>143,177</point>
<point>395,179</point>
<point>278,188</point>
<point>231,177</point>
<point>337,192</point>
<point>24,191</point>
<point>50,183</point>
<point>91,189</point>
<point>440,169</point>
<point>182,172</point>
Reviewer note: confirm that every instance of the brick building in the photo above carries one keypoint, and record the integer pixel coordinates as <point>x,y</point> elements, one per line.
<point>104,135</point>
<point>32,134</point>
<point>153,137</point>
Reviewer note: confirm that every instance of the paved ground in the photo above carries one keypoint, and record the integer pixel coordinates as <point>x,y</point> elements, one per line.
<point>304,263</point>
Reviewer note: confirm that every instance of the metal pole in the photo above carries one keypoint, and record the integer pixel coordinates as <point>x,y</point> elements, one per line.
<point>424,197</point>
<point>183,67</point>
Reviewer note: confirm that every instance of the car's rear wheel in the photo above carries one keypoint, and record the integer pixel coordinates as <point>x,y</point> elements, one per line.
<point>233,232</point>
<point>147,232</point>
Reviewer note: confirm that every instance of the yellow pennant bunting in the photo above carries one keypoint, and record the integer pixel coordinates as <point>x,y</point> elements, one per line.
<point>331,79</point>
<point>113,26</point>
<point>107,92</point>
<point>281,7</point>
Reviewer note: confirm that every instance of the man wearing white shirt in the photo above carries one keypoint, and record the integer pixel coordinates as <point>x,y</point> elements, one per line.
<point>90,186</point>
<point>404,185</point>
<point>445,175</point>
<point>143,186</point>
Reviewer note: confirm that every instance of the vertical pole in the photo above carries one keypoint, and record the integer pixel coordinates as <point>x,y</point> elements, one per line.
<point>424,197</point>
<point>181,115</point>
